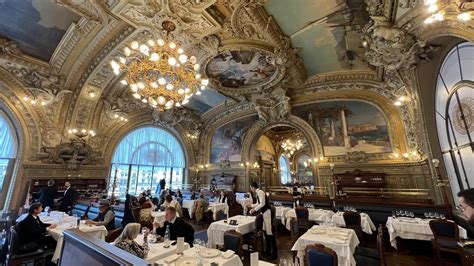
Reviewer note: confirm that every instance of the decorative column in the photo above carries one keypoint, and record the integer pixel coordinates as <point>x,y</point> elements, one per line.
<point>347,140</point>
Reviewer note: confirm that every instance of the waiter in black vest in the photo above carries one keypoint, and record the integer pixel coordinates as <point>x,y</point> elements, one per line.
<point>263,206</point>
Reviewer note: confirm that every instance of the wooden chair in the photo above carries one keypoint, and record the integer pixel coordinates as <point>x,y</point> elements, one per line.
<point>254,239</point>
<point>220,215</point>
<point>467,256</point>
<point>302,220</point>
<point>317,254</point>
<point>352,220</point>
<point>113,234</point>
<point>446,236</point>
<point>14,258</point>
<point>370,257</point>
<point>233,240</point>
<point>235,209</point>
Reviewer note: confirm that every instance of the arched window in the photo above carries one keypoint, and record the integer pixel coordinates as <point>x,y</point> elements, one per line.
<point>8,148</point>
<point>455,114</point>
<point>284,170</point>
<point>144,157</point>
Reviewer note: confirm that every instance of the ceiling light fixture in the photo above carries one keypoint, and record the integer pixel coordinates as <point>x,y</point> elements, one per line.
<point>159,73</point>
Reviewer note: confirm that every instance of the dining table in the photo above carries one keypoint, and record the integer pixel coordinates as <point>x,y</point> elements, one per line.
<point>281,212</point>
<point>69,222</point>
<point>214,207</point>
<point>199,255</point>
<point>315,215</point>
<point>343,241</point>
<point>412,228</point>
<point>366,222</point>
<point>158,250</point>
<point>216,230</point>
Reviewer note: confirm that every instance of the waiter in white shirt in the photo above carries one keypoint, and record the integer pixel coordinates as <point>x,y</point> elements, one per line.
<point>263,206</point>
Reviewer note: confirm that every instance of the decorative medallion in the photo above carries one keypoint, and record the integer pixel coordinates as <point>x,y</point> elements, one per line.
<point>460,124</point>
<point>234,69</point>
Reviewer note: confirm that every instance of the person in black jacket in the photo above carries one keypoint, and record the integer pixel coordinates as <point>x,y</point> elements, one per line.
<point>70,195</point>
<point>46,195</point>
<point>32,231</point>
<point>178,227</point>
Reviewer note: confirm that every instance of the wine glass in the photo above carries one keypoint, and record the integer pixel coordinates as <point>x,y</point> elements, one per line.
<point>412,215</point>
<point>430,215</point>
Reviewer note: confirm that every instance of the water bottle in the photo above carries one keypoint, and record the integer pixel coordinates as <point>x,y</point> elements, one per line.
<point>47,210</point>
<point>77,220</point>
<point>167,237</point>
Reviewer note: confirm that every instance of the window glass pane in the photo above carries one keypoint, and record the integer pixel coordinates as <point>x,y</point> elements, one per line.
<point>460,109</point>
<point>468,158</point>
<point>8,145</point>
<point>3,170</point>
<point>144,178</point>
<point>451,173</point>
<point>284,170</point>
<point>133,180</point>
<point>467,60</point>
<point>151,153</point>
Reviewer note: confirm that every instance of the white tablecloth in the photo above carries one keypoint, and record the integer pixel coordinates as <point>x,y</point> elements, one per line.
<point>234,260</point>
<point>158,251</point>
<point>58,234</point>
<point>412,228</point>
<point>365,222</point>
<point>54,217</point>
<point>264,263</point>
<point>215,207</point>
<point>344,248</point>
<point>216,230</point>
<point>188,204</point>
<point>281,213</point>
<point>318,215</point>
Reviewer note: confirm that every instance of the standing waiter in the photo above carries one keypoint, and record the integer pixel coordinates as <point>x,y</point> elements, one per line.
<point>263,206</point>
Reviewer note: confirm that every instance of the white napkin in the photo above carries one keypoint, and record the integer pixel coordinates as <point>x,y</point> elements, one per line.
<point>171,258</point>
<point>254,259</point>
<point>228,254</point>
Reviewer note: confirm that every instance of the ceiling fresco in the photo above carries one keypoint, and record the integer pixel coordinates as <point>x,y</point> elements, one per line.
<point>241,68</point>
<point>37,26</point>
<point>326,31</point>
<point>204,102</point>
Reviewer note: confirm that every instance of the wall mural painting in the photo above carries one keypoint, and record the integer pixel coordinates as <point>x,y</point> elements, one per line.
<point>36,25</point>
<point>237,68</point>
<point>226,143</point>
<point>346,126</point>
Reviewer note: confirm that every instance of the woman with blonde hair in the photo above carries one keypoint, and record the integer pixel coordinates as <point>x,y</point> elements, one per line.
<point>126,240</point>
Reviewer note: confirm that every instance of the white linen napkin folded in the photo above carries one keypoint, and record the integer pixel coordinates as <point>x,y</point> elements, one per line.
<point>171,258</point>
<point>228,254</point>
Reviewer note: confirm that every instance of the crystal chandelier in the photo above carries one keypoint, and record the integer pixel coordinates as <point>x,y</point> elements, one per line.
<point>159,73</point>
<point>291,146</point>
<point>440,10</point>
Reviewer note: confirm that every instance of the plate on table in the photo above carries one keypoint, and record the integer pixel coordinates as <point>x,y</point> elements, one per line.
<point>209,253</point>
<point>188,262</point>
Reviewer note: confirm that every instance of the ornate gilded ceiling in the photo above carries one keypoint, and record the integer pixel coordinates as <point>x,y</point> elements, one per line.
<point>262,57</point>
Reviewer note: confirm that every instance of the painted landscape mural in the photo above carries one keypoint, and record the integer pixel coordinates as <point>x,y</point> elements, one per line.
<point>226,143</point>
<point>346,126</point>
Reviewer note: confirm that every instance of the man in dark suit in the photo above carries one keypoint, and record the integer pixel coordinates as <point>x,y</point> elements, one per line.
<point>67,201</point>
<point>32,231</point>
<point>46,195</point>
<point>178,227</point>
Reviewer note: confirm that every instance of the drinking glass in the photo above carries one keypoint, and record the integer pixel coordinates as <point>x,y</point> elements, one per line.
<point>412,215</point>
<point>394,215</point>
<point>441,216</point>
<point>425,214</point>
<point>430,215</point>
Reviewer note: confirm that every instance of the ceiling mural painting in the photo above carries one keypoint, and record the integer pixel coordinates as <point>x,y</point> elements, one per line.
<point>37,26</point>
<point>347,126</point>
<point>241,68</point>
<point>327,32</point>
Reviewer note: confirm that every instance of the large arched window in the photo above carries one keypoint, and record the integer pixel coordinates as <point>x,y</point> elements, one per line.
<point>144,157</point>
<point>285,175</point>
<point>455,114</point>
<point>8,148</point>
